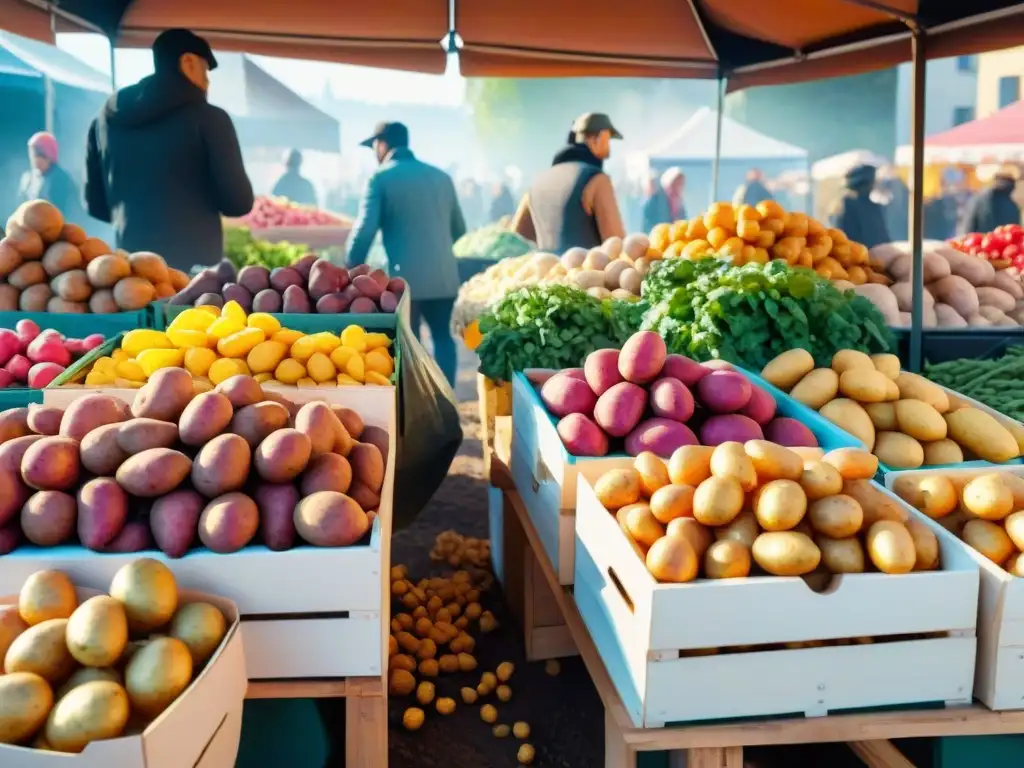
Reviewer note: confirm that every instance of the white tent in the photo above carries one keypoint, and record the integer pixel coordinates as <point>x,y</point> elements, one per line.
<point>694,140</point>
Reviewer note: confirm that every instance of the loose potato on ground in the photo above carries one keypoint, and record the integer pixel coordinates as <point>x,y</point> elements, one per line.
<point>330,519</point>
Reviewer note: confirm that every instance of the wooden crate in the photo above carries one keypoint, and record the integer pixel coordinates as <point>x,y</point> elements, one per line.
<point>656,638</point>
<point>999,673</point>
<point>495,403</point>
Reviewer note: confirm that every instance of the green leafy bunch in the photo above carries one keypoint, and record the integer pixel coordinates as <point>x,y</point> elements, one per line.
<point>749,314</point>
<point>243,250</point>
<point>494,242</point>
<point>551,326</point>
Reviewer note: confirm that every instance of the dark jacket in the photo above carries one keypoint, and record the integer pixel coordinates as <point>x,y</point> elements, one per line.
<point>993,207</point>
<point>415,207</point>
<point>556,201</point>
<point>897,210</point>
<point>751,193</point>
<point>658,210</point>
<point>296,188</point>
<point>55,186</point>
<point>502,205</point>
<point>860,217</point>
<point>162,166</point>
<point>940,218</point>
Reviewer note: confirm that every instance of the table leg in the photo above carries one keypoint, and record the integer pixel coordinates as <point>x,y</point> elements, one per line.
<point>617,752</point>
<point>366,732</point>
<point>879,753</point>
<point>715,757</point>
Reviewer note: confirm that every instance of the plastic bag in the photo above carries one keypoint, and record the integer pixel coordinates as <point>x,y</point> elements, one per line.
<point>429,430</point>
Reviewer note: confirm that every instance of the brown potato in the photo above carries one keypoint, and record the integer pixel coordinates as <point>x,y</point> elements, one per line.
<point>102,303</point>
<point>241,390</point>
<point>101,454</point>
<point>926,545</point>
<point>13,423</point>
<point>72,233</point>
<point>61,306</point>
<point>13,451</point>
<point>10,259</point>
<point>138,435</point>
<point>206,416</point>
<point>276,503</point>
<point>891,547</point>
<point>174,519</point>
<point>72,286</point>
<point>618,487</point>
<point>105,271</point>
<point>35,298</point>
<point>283,455</point>
<point>653,472</point>
<point>28,274</point>
<point>367,466</point>
<point>330,519</point>
<point>255,422</point>
<point>149,266</point>
<point>48,518</point>
<point>165,395</point>
<point>155,472</point>
<point>42,650</point>
<point>874,502</point>
<point>351,420</point>
<point>377,436</point>
<point>365,497</point>
<point>132,293</point>
<point>837,517</point>
<point>92,248</point>
<point>841,555</point>
<point>672,501</point>
<point>327,472</point>
<point>51,464</point>
<point>820,480</point>
<point>318,422</point>
<point>221,466</point>
<point>9,296</point>
<point>727,559</point>
<point>228,523</point>
<point>25,241</point>
<point>178,279</point>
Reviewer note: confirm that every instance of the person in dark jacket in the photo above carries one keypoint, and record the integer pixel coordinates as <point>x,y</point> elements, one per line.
<point>994,206</point>
<point>860,217</point>
<point>47,180</point>
<point>292,184</point>
<point>897,204</point>
<point>162,164</point>
<point>502,204</point>
<point>573,202</point>
<point>665,203</point>
<point>940,216</point>
<point>753,191</point>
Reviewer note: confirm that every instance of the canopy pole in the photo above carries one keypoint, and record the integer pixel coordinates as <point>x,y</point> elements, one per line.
<point>49,91</point>
<point>916,234</point>
<point>718,137</point>
<point>113,65</point>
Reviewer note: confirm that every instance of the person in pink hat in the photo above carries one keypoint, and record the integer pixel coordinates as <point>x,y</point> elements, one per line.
<point>47,180</point>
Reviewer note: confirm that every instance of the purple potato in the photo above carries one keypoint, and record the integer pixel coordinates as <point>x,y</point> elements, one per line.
<point>284,277</point>
<point>344,278</point>
<point>362,269</point>
<point>388,302</point>
<point>134,537</point>
<point>238,293</point>
<point>350,292</point>
<point>324,278</point>
<point>210,300</point>
<point>377,436</point>
<point>10,536</point>
<point>277,503</point>
<point>205,282</point>
<point>296,301</point>
<point>332,304</point>
<point>102,511</point>
<point>397,286</point>
<point>305,265</point>
<point>174,519</point>
<point>267,300</point>
<point>367,286</point>
<point>254,278</point>
<point>363,306</point>
<point>381,278</point>
<point>225,271</point>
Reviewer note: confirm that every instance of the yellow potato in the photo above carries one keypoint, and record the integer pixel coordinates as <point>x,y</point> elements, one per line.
<point>935,495</point>
<point>653,472</point>
<point>718,500</point>
<point>914,387</point>
<point>837,517</point>
<point>817,388</point>
<point>25,701</point>
<point>851,416</point>
<point>883,416</point>
<point>989,539</point>
<point>785,370</point>
<point>920,420</point>
<point>618,488</point>
<point>727,559</point>
<point>690,464</point>
<point>848,359</point>
<point>730,460</point>
<point>696,534</point>
<point>987,497</point>
<point>864,385</point>
<point>898,451</point>
<point>1014,525</point>
<point>891,547</point>
<point>157,674</point>
<point>852,463</point>
<point>780,505</point>
<point>982,435</point>
<point>672,501</point>
<point>1015,564</point>
<point>841,555</point>
<point>926,545</point>
<point>773,462</point>
<point>786,553</point>
<point>672,559</point>
<point>819,480</point>
<point>89,712</point>
<point>887,364</point>
<point>744,529</point>
<point>641,524</point>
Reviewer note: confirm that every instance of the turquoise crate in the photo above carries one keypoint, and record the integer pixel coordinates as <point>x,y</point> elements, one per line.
<point>19,397</point>
<point>80,326</point>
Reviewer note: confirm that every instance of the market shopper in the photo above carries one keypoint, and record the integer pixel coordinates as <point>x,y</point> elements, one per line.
<point>573,202</point>
<point>994,205</point>
<point>292,184</point>
<point>162,164</point>
<point>416,208</point>
<point>665,203</point>
<point>860,217</point>
<point>501,204</point>
<point>753,191</point>
<point>46,179</point>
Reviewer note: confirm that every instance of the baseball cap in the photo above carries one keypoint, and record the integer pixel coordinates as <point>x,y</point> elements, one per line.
<point>171,44</point>
<point>595,122</point>
<point>392,134</point>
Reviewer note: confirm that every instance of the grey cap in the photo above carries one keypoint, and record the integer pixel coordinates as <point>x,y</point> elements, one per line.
<point>595,122</point>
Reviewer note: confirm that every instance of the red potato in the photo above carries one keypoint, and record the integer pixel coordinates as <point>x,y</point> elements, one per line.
<point>154,473</point>
<point>366,498</point>
<point>376,436</point>
<point>642,357</point>
<point>724,391</point>
<point>397,286</point>
<point>6,379</point>
<point>330,519</point>
<point>620,409</point>
<point>367,286</point>
<point>670,399</point>
<point>48,518</point>
<point>362,269</point>
<point>27,330</point>
<point>659,436</point>
<point>13,495</point>
<point>563,395</point>
<point>87,413</point>
<point>13,451</point>
<point>228,523</point>
<point>44,420</point>
<point>367,466</point>
<point>51,464</point>
<point>790,433</point>
<point>729,427</point>
<point>13,423</point>
<point>381,278</point>
<point>10,536</point>
<point>101,454</point>
<point>388,302</point>
<point>138,435</point>
<point>92,341</point>
<point>134,537</point>
<point>601,370</point>
<point>305,265</point>
<point>102,512</point>
<point>276,503</point>
<point>581,436</point>
<point>327,472</point>
<point>41,375</point>
<point>174,519</point>
<point>10,345</point>
<point>760,407</point>
<point>362,305</point>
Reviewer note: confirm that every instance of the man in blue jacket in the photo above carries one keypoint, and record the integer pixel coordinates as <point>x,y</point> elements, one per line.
<point>416,208</point>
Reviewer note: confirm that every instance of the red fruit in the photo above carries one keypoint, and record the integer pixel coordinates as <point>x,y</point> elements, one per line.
<point>92,341</point>
<point>19,366</point>
<point>972,239</point>
<point>6,378</point>
<point>27,331</point>
<point>1011,251</point>
<point>41,374</point>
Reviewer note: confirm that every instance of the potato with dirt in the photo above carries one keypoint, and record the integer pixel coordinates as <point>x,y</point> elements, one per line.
<point>228,523</point>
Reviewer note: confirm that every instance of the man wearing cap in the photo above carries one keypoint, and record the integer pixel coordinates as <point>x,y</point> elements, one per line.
<point>47,180</point>
<point>994,205</point>
<point>416,208</point>
<point>292,184</point>
<point>163,164</point>
<point>573,202</point>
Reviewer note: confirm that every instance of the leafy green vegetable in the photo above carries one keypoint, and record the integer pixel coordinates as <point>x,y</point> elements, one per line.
<point>749,314</point>
<point>999,383</point>
<point>551,326</point>
<point>493,242</point>
<point>243,249</point>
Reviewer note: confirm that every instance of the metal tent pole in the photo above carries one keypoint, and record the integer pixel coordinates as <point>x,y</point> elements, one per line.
<point>920,60</point>
<point>113,65</point>
<point>718,137</point>
<point>49,90</point>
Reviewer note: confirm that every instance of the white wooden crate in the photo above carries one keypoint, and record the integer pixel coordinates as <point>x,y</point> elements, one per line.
<point>999,676</point>
<point>644,631</point>
<point>306,612</point>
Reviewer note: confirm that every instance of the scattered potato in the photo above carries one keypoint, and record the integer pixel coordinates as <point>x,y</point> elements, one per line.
<point>488,713</point>
<point>425,693</point>
<point>413,718</point>
<point>521,730</point>
<point>445,705</point>
<point>504,693</point>
<point>469,695</point>
<point>501,731</point>
<point>504,671</point>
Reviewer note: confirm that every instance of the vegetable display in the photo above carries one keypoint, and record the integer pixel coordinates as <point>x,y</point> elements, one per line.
<point>765,232</point>
<point>613,270</point>
<point>1003,247</point>
<point>493,242</point>
<point>309,285</point>
<point>78,672</point>
<point>756,507</point>
<point>218,469</point>
<point>986,510</point>
<point>47,265</point>
<point>213,345</point>
<point>960,290</point>
<point>268,212</point>
<point>34,357</point>
<point>999,384</point>
<point>906,420</point>
<point>656,402</point>
<point>551,326</point>
<point>243,250</point>
<point>747,315</point>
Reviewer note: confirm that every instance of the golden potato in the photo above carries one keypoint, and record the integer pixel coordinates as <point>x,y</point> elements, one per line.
<point>46,595</point>
<point>837,517</point>
<point>933,494</point>
<point>786,553</point>
<point>718,500</point>
<point>773,462</point>
<point>157,674</point>
<point>690,464</point>
<point>744,528</point>
<point>618,488</point>
<point>841,555</point>
<point>672,559</point>
<point>853,463</point>
<point>653,472</point>
<point>640,523</point>
<point>926,545</point>
<point>696,534</point>
<point>89,712</point>
<point>780,505</point>
<point>989,539</point>
<point>891,547</point>
<point>727,559</point>
<point>819,480</point>
<point>671,501</point>
<point>988,497</point>
<point>25,701</point>
<point>730,460</point>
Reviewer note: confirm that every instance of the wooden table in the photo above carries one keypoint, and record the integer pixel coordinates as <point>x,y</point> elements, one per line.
<point>721,746</point>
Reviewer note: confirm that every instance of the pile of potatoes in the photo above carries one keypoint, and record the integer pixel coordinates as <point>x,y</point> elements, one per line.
<point>47,265</point>
<point>231,467</point>
<point>74,673</point>
<point>758,508</point>
<point>311,284</point>
<point>986,510</point>
<point>215,344</point>
<point>906,420</point>
<point>764,233</point>
<point>614,270</point>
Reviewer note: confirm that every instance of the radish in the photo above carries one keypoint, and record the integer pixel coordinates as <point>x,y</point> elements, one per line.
<point>75,346</point>
<point>92,341</point>
<point>49,348</point>
<point>10,345</point>
<point>6,379</point>
<point>41,374</point>
<point>18,366</point>
<point>27,331</point>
